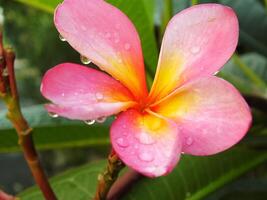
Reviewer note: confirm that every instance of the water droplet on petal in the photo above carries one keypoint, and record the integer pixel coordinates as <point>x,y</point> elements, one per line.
<point>147,157</point>
<point>189,141</point>
<point>107,35</point>
<point>117,40</point>
<point>145,138</point>
<point>85,60</point>
<point>101,119</point>
<point>83,28</point>
<point>127,46</point>
<point>99,96</point>
<point>120,60</point>
<point>122,142</point>
<point>5,72</point>
<point>195,50</point>
<point>89,122</point>
<point>117,26</point>
<point>216,73</point>
<point>62,38</point>
<point>54,115</point>
<point>156,170</point>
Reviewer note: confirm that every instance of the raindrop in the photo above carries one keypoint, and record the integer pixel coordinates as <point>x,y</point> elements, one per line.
<point>120,60</point>
<point>108,35</point>
<point>62,38</point>
<point>216,73</point>
<point>147,157</point>
<point>54,115</point>
<point>99,96</point>
<point>85,60</point>
<point>89,122</point>
<point>101,119</point>
<point>117,26</point>
<point>195,50</point>
<point>127,46</point>
<point>145,138</point>
<point>189,141</point>
<point>83,28</point>
<point>117,40</point>
<point>122,142</point>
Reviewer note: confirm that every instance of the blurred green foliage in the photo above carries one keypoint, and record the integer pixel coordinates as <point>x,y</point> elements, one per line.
<point>29,29</point>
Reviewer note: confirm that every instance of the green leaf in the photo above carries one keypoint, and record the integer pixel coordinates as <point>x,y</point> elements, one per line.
<point>194,178</point>
<point>137,11</point>
<point>253,23</point>
<point>53,133</point>
<point>254,64</point>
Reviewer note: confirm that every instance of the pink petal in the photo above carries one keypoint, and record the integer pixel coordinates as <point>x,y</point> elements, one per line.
<point>107,37</point>
<point>83,93</point>
<point>146,143</point>
<point>198,41</point>
<point>211,115</point>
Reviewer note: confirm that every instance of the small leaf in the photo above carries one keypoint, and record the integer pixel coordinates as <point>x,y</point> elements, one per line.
<point>193,178</point>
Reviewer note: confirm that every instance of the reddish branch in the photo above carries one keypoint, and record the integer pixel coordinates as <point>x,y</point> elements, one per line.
<point>8,92</point>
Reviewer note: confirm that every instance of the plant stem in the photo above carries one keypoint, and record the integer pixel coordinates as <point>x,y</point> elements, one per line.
<point>11,99</point>
<point>123,184</point>
<point>108,176</point>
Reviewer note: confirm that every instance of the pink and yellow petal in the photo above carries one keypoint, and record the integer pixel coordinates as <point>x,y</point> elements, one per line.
<point>79,92</point>
<point>198,41</point>
<point>211,115</point>
<point>145,142</point>
<point>103,34</point>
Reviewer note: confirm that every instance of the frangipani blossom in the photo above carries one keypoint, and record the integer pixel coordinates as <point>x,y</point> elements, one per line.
<point>187,109</point>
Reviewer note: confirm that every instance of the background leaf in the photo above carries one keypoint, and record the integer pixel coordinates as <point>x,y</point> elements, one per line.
<point>194,178</point>
<point>139,13</point>
<point>53,133</point>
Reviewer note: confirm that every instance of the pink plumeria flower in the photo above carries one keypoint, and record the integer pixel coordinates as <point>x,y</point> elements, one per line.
<point>187,109</point>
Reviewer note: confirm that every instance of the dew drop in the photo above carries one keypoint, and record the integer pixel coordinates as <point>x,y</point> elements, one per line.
<point>122,142</point>
<point>124,133</point>
<point>127,46</point>
<point>145,138</point>
<point>99,96</point>
<point>156,170</point>
<point>5,72</point>
<point>85,60</point>
<point>147,157</point>
<point>53,115</point>
<point>107,35</point>
<point>189,141</point>
<point>83,28</point>
<point>117,40</point>
<point>117,26</point>
<point>195,50</point>
<point>216,73</point>
<point>101,119</point>
<point>89,122</point>
<point>62,38</point>
<point>120,60</point>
